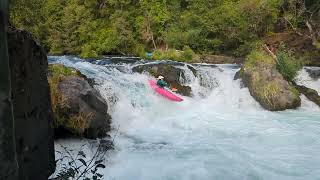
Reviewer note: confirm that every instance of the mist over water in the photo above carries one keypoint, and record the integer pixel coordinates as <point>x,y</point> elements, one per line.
<point>219,133</point>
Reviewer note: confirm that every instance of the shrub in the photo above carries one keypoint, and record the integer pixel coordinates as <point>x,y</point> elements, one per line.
<point>171,54</point>
<point>157,55</point>
<point>258,56</point>
<point>187,54</point>
<point>287,65</point>
<point>88,52</point>
<point>140,51</point>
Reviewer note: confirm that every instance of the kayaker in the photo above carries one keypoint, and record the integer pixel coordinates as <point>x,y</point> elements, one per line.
<point>161,83</point>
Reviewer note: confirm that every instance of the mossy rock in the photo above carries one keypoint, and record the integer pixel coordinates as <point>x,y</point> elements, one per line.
<point>78,108</point>
<point>61,70</point>
<point>267,85</point>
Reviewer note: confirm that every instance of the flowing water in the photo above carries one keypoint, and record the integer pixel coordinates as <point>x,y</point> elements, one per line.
<point>220,133</point>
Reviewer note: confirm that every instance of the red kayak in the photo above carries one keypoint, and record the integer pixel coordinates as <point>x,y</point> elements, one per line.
<point>167,94</point>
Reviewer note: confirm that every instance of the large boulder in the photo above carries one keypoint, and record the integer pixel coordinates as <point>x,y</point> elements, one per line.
<point>267,85</point>
<point>78,108</point>
<point>33,120</point>
<point>171,73</point>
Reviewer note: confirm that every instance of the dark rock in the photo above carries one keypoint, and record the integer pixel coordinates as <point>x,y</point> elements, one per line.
<point>237,75</point>
<point>269,88</point>
<point>193,70</point>
<point>313,73</point>
<point>85,111</point>
<point>103,62</point>
<point>170,72</point>
<point>311,94</point>
<point>106,144</point>
<point>8,160</point>
<point>91,81</point>
<point>32,106</point>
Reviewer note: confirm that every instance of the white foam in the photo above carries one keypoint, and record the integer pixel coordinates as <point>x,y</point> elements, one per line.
<point>303,78</point>
<point>222,135</point>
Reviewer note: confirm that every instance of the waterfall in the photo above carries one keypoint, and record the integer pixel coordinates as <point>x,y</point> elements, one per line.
<point>220,132</point>
<point>305,79</point>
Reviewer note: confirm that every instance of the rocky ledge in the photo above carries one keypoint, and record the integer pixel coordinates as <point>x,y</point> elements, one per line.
<point>33,122</point>
<point>78,108</point>
<point>218,59</point>
<point>171,73</point>
<point>311,94</point>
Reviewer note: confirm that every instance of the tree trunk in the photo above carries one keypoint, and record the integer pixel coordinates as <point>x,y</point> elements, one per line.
<point>151,33</point>
<point>8,161</point>
<point>265,47</point>
<point>312,33</point>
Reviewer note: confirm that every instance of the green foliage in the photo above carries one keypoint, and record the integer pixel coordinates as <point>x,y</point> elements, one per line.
<point>256,57</point>
<point>92,28</point>
<point>172,54</point>
<point>75,164</point>
<point>88,52</point>
<point>187,54</point>
<point>61,70</point>
<point>318,45</point>
<point>158,55</point>
<point>287,65</point>
<point>184,56</point>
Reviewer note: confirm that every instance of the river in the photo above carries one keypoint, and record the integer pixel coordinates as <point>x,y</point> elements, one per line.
<point>219,133</point>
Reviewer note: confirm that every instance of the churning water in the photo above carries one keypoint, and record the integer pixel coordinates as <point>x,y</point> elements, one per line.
<point>220,133</point>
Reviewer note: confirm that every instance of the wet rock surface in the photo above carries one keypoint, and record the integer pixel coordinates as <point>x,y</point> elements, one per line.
<point>79,109</point>
<point>311,94</point>
<point>171,74</point>
<point>33,121</point>
<point>85,111</point>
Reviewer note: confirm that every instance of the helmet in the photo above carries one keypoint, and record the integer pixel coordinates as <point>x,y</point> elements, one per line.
<point>160,77</point>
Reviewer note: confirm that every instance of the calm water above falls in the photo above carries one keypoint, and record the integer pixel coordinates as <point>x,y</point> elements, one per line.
<point>220,133</point>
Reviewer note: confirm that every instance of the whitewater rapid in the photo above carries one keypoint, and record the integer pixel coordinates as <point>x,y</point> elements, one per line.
<point>219,133</point>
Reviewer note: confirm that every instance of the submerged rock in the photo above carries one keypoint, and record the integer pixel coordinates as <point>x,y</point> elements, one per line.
<point>237,75</point>
<point>78,107</point>
<point>33,120</point>
<point>313,73</point>
<point>311,94</point>
<point>171,73</point>
<point>267,85</point>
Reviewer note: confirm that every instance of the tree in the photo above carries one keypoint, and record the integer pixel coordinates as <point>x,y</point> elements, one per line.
<point>300,14</point>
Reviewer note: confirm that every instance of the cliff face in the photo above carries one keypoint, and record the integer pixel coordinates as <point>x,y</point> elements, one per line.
<point>32,107</point>
<point>8,163</point>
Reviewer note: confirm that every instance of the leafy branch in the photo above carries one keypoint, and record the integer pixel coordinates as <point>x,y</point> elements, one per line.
<point>76,167</point>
